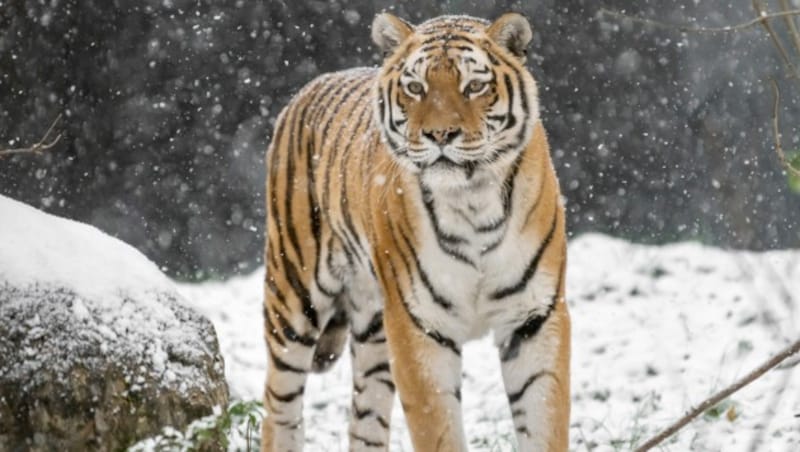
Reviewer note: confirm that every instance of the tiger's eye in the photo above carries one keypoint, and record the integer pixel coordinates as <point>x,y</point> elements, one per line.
<point>474,87</point>
<point>415,88</point>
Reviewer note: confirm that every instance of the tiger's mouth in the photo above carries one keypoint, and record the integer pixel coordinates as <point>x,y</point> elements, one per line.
<point>445,163</point>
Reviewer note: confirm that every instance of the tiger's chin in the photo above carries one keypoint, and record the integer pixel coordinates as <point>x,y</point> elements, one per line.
<point>444,174</point>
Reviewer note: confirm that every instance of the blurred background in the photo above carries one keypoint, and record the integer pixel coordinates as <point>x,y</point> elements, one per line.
<point>658,135</point>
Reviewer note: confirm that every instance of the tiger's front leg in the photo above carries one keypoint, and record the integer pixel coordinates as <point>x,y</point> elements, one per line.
<point>426,368</point>
<point>535,363</point>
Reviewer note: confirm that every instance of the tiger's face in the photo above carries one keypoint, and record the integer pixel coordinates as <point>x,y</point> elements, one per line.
<point>453,96</point>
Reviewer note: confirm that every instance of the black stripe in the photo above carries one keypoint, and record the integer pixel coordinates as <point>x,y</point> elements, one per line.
<point>315,213</point>
<point>389,384</point>
<point>448,37</point>
<point>361,414</point>
<point>508,186</point>
<point>512,120</point>
<point>271,330</point>
<point>289,270</point>
<point>295,138</point>
<point>300,290</point>
<point>273,410</point>
<point>530,270</point>
<point>366,442</point>
<point>270,282</point>
<point>286,120</point>
<point>282,365</point>
<point>289,424</point>
<point>285,398</point>
<point>492,57</point>
<point>514,397</point>
<point>352,87</point>
<point>270,252</point>
<point>493,226</point>
<point>446,241</point>
<point>347,244</point>
<point>290,334</point>
<point>348,219</point>
<point>423,276</point>
<point>530,328</point>
<point>384,423</point>
<point>540,191</point>
<point>441,339</point>
<point>381,367</point>
<point>388,107</point>
<point>523,96</point>
<point>375,326</point>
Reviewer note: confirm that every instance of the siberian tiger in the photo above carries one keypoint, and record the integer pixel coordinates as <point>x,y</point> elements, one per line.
<point>415,207</point>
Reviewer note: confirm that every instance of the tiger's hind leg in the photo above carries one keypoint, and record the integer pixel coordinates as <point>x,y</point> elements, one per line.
<point>291,356</point>
<point>373,389</point>
<point>294,346</point>
<point>535,364</point>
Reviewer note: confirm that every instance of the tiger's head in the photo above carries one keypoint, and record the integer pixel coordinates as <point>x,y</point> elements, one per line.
<point>453,95</point>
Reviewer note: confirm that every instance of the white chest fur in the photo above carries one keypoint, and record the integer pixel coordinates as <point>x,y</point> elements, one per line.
<point>471,248</point>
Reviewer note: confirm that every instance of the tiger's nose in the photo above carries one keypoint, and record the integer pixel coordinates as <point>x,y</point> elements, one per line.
<point>442,136</point>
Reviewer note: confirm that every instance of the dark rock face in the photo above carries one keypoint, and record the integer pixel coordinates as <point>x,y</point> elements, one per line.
<point>80,374</point>
<point>657,135</point>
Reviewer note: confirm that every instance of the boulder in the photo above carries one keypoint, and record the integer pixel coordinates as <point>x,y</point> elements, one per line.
<point>97,349</point>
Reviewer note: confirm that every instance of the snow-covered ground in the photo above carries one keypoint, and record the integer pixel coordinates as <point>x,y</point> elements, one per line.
<point>655,330</point>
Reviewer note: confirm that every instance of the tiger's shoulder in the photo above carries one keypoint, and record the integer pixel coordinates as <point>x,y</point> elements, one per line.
<point>324,87</point>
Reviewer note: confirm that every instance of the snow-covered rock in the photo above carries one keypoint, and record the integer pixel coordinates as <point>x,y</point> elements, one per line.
<point>97,349</point>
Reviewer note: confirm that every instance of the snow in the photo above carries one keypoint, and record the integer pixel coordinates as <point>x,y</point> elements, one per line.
<point>44,249</point>
<point>655,331</point>
<point>70,295</point>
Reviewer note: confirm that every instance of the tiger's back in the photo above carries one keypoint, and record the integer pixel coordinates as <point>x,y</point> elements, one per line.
<point>417,218</point>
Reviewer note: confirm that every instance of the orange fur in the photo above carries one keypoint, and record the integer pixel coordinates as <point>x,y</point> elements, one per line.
<point>338,199</point>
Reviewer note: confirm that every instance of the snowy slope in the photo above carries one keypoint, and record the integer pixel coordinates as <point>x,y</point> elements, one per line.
<point>655,329</point>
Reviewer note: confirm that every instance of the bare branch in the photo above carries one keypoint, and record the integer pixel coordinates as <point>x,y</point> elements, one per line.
<point>758,6</point>
<point>776,131</point>
<point>791,26</point>
<point>720,396</point>
<point>694,29</point>
<point>44,144</point>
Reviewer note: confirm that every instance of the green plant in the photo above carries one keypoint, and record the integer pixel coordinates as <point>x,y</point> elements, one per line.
<point>234,429</point>
<point>793,158</point>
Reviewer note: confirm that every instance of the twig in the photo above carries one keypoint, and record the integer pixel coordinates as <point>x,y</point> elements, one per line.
<point>776,95</point>
<point>720,396</point>
<point>758,6</point>
<point>791,26</point>
<point>44,144</point>
<point>692,29</point>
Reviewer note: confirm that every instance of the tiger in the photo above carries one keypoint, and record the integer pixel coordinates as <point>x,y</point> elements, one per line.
<point>411,208</point>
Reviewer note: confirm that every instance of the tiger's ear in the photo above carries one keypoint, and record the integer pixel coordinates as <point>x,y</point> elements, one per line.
<point>512,32</point>
<point>388,31</point>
